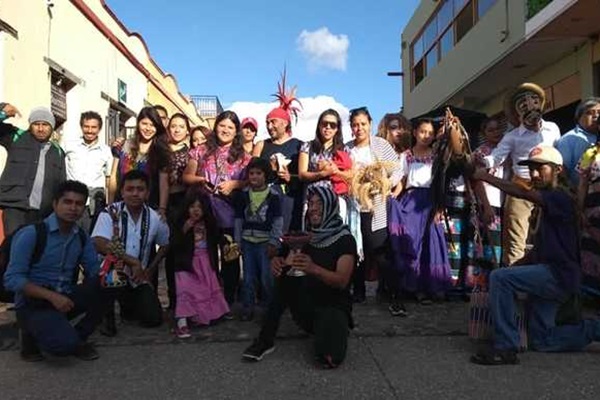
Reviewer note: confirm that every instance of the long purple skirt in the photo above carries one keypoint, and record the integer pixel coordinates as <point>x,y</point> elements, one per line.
<point>420,252</point>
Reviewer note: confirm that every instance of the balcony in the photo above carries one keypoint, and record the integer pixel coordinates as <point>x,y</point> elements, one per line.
<point>535,6</point>
<point>207,106</point>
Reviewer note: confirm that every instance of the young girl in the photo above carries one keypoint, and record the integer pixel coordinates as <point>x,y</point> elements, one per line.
<point>199,296</point>
<point>417,238</point>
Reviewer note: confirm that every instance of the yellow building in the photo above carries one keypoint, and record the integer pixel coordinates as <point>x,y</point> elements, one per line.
<point>75,56</point>
<point>469,53</point>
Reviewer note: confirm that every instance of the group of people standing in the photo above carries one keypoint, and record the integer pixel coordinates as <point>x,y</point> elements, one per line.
<point>308,223</point>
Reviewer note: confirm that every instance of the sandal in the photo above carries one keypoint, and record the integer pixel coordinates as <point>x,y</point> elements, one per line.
<point>495,357</point>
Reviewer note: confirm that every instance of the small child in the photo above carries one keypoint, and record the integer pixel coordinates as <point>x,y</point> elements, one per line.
<point>258,229</point>
<point>199,295</point>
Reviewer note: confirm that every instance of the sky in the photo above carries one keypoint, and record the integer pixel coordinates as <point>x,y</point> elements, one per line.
<point>337,52</point>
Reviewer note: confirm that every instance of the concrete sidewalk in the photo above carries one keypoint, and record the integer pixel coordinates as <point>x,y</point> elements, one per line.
<point>371,320</point>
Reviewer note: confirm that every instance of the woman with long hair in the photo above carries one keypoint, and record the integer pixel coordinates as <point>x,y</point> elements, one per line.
<point>219,168</point>
<point>416,232</point>
<point>396,129</point>
<point>367,217</point>
<point>322,159</point>
<point>145,151</point>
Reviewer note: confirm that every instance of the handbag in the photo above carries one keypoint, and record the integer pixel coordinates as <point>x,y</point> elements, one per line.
<point>231,250</point>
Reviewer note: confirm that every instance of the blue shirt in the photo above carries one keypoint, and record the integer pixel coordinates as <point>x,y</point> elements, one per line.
<point>56,268</point>
<point>571,147</point>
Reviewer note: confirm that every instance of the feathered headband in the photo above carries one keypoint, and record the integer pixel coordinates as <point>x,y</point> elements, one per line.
<point>286,102</point>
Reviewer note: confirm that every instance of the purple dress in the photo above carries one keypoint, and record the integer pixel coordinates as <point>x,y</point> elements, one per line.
<point>420,252</point>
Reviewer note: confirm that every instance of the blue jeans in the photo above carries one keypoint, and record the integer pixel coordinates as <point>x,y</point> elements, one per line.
<point>52,331</point>
<point>545,295</point>
<point>256,268</point>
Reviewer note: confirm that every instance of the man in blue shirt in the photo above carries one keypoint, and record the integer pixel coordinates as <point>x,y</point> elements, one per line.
<point>585,134</point>
<point>552,272</point>
<point>46,292</point>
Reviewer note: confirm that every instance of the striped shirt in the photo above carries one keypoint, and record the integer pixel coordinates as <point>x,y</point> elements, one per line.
<point>380,150</point>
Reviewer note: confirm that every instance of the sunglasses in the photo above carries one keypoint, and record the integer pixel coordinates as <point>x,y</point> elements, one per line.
<point>359,109</point>
<point>329,124</point>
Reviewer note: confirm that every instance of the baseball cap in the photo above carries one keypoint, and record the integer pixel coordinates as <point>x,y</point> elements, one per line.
<point>250,121</point>
<point>543,155</point>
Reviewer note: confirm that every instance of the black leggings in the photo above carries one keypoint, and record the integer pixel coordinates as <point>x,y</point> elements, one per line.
<point>376,252</point>
<point>329,324</point>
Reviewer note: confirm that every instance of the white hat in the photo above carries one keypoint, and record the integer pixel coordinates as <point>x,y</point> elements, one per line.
<point>543,155</point>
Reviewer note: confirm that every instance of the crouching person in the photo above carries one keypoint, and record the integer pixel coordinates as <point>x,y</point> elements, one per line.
<point>43,271</point>
<point>551,275</point>
<point>133,228</point>
<point>313,283</point>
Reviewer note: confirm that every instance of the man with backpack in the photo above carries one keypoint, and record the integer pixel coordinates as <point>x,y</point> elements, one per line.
<point>35,166</point>
<point>43,269</point>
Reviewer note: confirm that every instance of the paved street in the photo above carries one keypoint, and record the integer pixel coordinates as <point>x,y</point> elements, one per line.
<point>422,356</point>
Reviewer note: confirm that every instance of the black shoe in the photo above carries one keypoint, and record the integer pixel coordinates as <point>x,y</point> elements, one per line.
<point>495,357</point>
<point>247,316</point>
<point>30,352</point>
<point>397,309</point>
<point>257,350</point>
<point>110,327</point>
<point>86,352</point>
<point>359,298</point>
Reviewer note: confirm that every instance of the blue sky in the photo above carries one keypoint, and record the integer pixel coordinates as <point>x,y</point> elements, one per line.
<point>236,49</point>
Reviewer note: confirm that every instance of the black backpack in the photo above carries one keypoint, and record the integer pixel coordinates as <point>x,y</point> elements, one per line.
<point>38,249</point>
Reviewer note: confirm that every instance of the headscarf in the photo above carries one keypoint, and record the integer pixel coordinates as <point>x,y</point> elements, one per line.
<point>332,227</point>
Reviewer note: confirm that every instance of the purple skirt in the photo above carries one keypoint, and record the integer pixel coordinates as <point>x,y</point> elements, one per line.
<point>420,252</point>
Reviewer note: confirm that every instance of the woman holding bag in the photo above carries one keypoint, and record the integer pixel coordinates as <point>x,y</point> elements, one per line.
<point>218,166</point>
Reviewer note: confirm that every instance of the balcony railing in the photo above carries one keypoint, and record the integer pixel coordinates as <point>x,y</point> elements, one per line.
<point>535,6</point>
<point>207,106</point>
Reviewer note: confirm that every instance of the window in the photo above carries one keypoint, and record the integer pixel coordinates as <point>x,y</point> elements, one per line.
<point>418,72</point>
<point>446,42</point>
<point>464,21</point>
<point>458,5</point>
<point>452,20</point>
<point>431,59</point>
<point>418,49</point>
<point>445,15</point>
<point>430,33</point>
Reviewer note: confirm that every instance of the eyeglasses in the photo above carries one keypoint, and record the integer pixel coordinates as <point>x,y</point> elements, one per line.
<point>329,124</point>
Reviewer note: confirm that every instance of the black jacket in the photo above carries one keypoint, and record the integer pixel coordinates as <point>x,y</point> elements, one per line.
<point>17,179</point>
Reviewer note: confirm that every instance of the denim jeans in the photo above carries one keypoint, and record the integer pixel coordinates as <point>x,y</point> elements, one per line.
<point>256,268</point>
<point>52,330</point>
<point>545,295</point>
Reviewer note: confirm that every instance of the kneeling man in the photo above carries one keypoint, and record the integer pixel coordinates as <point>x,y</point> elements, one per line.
<point>319,300</point>
<point>552,272</point>
<point>47,295</point>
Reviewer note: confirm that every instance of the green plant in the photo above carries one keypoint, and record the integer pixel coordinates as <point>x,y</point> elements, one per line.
<point>535,6</point>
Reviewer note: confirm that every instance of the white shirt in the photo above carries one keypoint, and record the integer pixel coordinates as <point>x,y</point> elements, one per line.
<point>361,156</point>
<point>158,232</point>
<point>418,174</point>
<point>518,143</point>
<point>88,164</point>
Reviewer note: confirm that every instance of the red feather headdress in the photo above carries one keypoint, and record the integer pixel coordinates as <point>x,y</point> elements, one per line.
<point>286,99</point>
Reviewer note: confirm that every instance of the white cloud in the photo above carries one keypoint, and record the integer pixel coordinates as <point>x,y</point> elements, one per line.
<point>304,128</point>
<point>324,49</point>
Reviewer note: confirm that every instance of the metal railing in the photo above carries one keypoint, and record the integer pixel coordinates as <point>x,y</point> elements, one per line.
<point>207,106</point>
